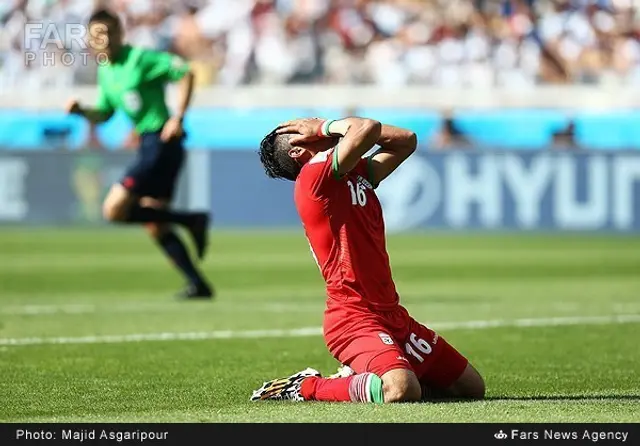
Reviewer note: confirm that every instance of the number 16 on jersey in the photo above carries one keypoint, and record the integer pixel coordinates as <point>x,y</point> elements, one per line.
<point>358,194</point>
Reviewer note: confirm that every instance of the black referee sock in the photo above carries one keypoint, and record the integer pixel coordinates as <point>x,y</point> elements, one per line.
<point>177,252</point>
<point>139,214</point>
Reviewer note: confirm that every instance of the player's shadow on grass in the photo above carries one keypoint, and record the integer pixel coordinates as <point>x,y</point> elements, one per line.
<point>584,398</point>
<point>565,398</point>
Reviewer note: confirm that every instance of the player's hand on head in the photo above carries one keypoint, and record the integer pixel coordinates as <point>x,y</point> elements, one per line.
<point>172,129</point>
<point>72,106</point>
<point>303,131</point>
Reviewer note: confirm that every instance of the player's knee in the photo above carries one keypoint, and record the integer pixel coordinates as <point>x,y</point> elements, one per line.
<point>470,385</point>
<point>109,211</point>
<point>476,389</point>
<point>117,204</point>
<point>113,212</point>
<point>401,386</point>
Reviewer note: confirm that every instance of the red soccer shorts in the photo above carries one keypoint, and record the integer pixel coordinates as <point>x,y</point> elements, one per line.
<point>380,341</point>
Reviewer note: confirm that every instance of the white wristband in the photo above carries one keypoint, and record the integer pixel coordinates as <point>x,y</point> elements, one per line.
<point>324,129</point>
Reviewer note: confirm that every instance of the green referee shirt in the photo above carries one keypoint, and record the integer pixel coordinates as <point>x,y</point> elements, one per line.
<point>134,83</point>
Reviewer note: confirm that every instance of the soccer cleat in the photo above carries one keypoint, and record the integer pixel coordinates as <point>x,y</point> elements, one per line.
<point>199,231</point>
<point>196,292</point>
<point>344,371</point>
<point>284,389</point>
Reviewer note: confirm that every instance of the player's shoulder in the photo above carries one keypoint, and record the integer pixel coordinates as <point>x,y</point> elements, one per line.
<point>316,176</point>
<point>158,56</point>
<point>321,157</point>
<point>314,166</point>
<point>140,53</point>
<point>150,56</point>
<point>319,160</point>
<point>132,56</point>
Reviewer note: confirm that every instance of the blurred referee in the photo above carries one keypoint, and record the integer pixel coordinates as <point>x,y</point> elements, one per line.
<point>133,80</point>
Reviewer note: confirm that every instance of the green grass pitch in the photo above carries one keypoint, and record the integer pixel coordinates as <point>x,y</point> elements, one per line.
<point>552,322</point>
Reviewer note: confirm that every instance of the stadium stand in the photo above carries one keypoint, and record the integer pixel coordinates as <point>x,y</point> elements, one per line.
<point>473,44</point>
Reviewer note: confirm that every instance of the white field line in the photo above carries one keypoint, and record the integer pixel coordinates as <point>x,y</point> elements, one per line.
<point>315,331</point>
<point>283,307</point>
<point>72,262</point>
<point>152,307</point>
<point>159,309</point>
<point>253,307</point>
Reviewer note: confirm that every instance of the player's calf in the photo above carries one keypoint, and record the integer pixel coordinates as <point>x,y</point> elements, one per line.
<point>157,230</point>
<point>401,385</point>
<point>122,206</point>
<point>169,241</point>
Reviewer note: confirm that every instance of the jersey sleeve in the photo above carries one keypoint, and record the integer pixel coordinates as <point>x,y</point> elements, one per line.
<point>163,66</point>
<point>102,102</point>
<point>364,167</point>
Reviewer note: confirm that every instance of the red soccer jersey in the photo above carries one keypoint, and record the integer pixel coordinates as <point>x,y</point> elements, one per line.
<point>343,222</point>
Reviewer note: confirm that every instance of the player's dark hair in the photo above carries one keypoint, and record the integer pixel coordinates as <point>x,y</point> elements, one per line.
<point>103,15</point>
<point>274,155</point>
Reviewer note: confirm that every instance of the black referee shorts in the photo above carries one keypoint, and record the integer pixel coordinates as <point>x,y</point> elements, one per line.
<point>157,167</point>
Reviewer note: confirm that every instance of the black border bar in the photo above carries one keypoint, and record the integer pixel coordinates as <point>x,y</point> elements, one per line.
<point>322,434</point>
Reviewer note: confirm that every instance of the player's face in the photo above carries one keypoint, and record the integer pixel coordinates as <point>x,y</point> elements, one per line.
<point>105,38</point>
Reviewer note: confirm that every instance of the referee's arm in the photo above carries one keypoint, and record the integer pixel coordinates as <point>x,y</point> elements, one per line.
<point>103,110</point>
<point>185,93</point>
<point>169,68</point>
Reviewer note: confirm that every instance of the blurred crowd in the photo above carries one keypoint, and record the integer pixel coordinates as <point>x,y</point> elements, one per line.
<point>466,43</point>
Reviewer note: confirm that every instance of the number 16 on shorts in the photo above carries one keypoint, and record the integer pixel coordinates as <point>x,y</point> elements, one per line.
<point>418,348</point>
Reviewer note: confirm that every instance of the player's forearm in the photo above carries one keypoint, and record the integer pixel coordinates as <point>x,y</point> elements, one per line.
<point>94,115</point>
<point>359,136</point>
<point>396,145</point>
<point>397,140</point>
<point>185,94</point>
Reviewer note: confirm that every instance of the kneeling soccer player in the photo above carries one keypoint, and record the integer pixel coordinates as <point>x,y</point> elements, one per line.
<point>389,357</point>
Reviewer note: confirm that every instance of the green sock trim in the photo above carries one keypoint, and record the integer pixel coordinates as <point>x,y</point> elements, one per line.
<point>375,390</point>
